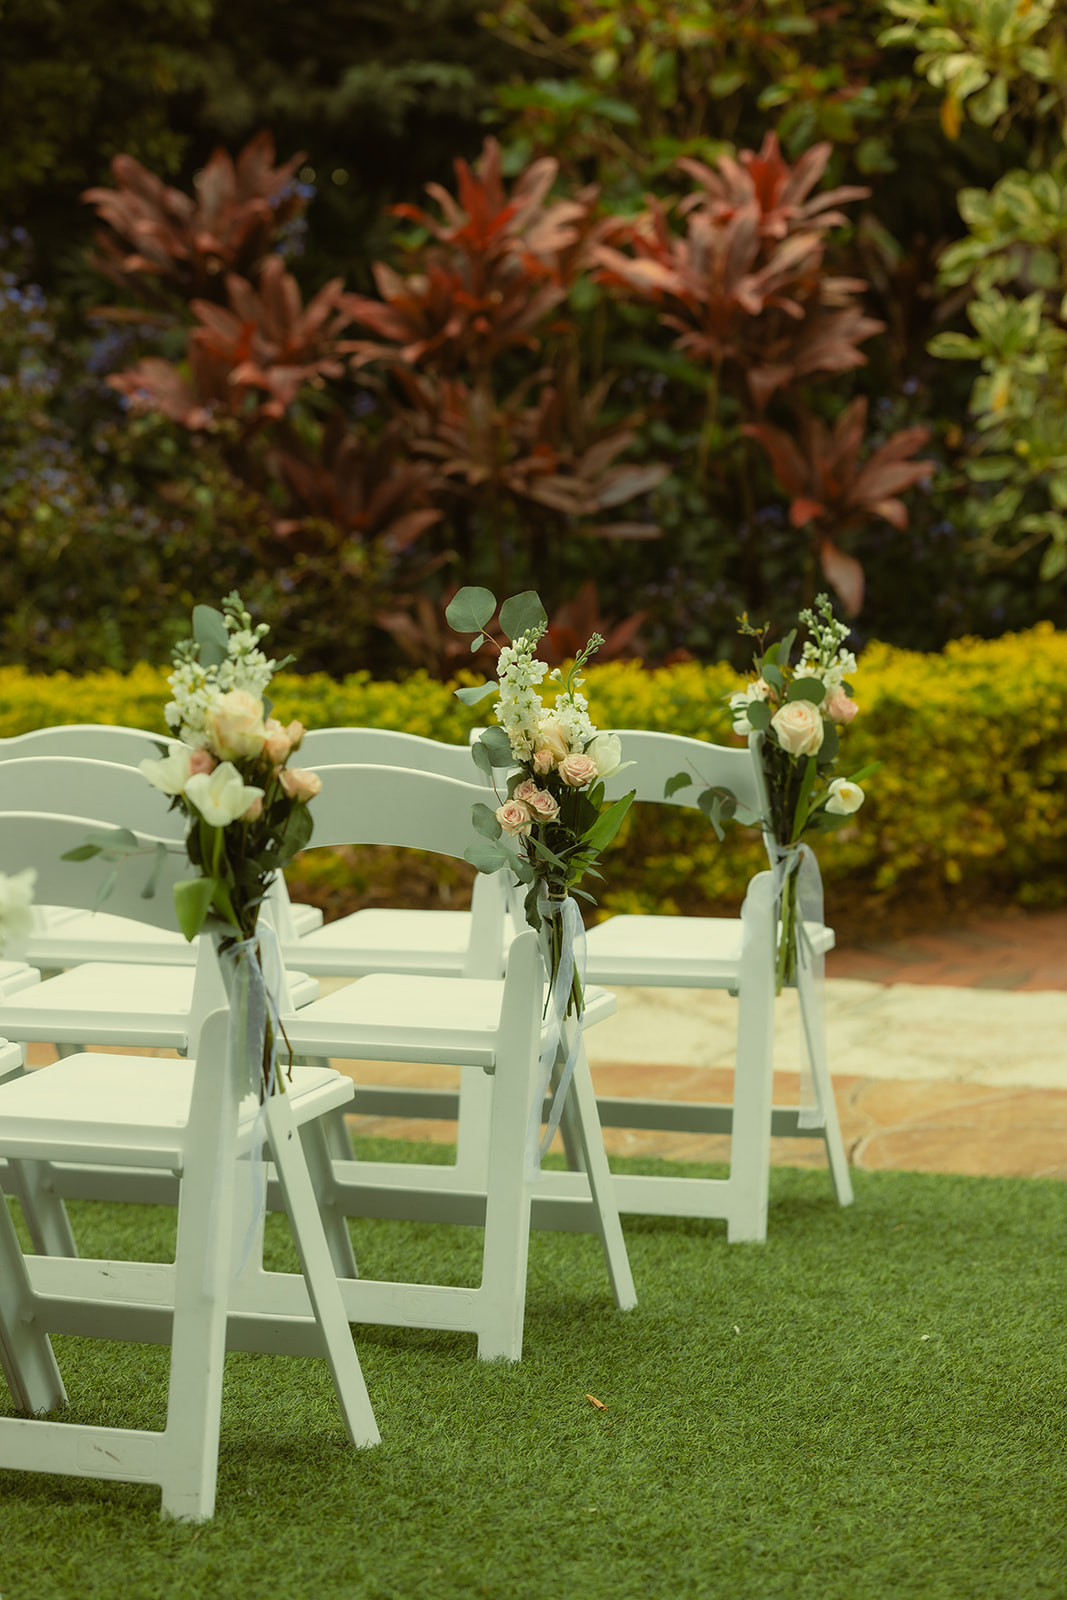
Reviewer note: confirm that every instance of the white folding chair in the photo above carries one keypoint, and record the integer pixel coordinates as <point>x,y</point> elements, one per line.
<point>492,1029</point>
<point>709,953</point>
<point>197,1120</point>
<point>64,937</point>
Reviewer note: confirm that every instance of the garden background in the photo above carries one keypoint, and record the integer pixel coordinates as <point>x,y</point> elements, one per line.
<point>708,307</point>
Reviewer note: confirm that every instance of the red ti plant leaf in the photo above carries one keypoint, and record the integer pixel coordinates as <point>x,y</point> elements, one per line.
<point>831,493</point>
<point>160,242</point>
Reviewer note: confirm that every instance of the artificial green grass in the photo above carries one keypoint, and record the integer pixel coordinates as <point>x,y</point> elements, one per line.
<point>871,1406</point>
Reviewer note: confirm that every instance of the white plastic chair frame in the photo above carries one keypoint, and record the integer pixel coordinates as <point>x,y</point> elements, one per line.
<point>195,1119</point>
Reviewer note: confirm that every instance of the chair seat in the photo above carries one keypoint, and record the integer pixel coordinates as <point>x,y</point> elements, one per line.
<point>115,1004</point>
<point>16,975</point>
<point>675,952</point>
<point>391,1017</point>
<point>67,938</point>
<point>428,943</point>
<point>131,1109</point>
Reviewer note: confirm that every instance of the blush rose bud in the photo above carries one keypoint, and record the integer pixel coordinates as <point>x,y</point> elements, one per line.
<point>300,784</point>
<point>514,819</point>
<point>577,770</point>
<point>841,707</point>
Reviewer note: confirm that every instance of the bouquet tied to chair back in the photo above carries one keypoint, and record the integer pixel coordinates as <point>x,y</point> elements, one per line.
<point>550,823</point>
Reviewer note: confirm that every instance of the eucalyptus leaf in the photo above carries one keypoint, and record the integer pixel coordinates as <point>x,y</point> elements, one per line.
<point>758,713</point>
<point>485,856</point>
<point>118,841</point>
<point>521,613</point>
<point>476,692</point>
<point>811,689</point>
<point>470,609</point>
<point>149,890</point>
<point>497,745</point>
<point>104,892</point>
<point>485,821</point>
<point>773,675</point>
<point>81,852</point>
<point>480,758</point>
<point>209,631</point>
<point>673,786</point>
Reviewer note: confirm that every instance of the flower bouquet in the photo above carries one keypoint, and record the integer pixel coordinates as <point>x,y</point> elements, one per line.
<point>799,711</point>
<point>551,822</point>
<point>246,806</point>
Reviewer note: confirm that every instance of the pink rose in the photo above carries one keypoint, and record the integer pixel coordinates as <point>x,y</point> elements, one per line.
<point>545,807</point>
<point>551,737</point>
<point>841,707</point>
<point>798,725</point>
<point>522,791</point>
<point>235,725</point>
<point>299,784</point>
<point>577,770</point>
<point>255,810</point>
<point>295,734</point>
<point>514,818</point>
<point>202,761</point>
<point>542,761</point>
<point>276,745</point>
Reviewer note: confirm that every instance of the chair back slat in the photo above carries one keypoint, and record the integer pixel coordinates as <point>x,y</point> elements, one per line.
<point>40,840</point>
<point>659,756</point>
<point>383,747</point>
<point>92,740</point>
<point>395,806</point>
<point>115,793</point>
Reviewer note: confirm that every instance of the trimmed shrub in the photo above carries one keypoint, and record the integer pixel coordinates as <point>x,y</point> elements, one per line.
<point>969,805</point>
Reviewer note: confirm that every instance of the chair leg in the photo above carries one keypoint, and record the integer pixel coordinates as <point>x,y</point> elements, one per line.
<point>316,1142</point>
<point>319,1274</point>
<point>32,1184</point>
<point>472,1141</point>
<point>816,1047</point>
<point>581,1116</point>
<point>750,1138</point>
<point>26,1358</point>
<point>507,1215</point>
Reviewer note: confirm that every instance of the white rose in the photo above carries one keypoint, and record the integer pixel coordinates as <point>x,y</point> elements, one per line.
<point>799,727</point>
<point>845,798</point>
<point>172,773</point>
<point>16,898</point>
<point>221,796</point>
<point>235,723</point>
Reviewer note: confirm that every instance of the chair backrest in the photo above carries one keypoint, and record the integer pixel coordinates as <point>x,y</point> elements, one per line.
<point>383,747</point>
<point>40,839</point>
<point>114,793</point>
<point>369,804</point>
<point>93,740</point>
<point>659,756</point>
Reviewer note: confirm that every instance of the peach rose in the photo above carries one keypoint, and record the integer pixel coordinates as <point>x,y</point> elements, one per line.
<point>840,707</point>
<point>255,810</point>
<point>235,725</point>
<point>577,770</point>
<point>798,725</point>
<point>295,734</point>
<point>542,762</point>
<point>545,807</point>
<point>276,745</point>
<point>299,784</point>
<point>202,761</point>
<point>514,819</point>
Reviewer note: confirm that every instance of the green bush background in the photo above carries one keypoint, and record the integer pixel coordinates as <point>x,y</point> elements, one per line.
<point>969,806</point>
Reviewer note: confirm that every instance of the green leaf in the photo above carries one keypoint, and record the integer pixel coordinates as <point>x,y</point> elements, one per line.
<point>865,772</point>
<point>470,610</point>
<point>209,631</point>
<point>608,823</point>
<point>827,751</point>
<point>497,746</point>
<point>719,806</point>
<point>477,692</point>
<point>485,821</point>
<point>149,890</point>
<point>82,852</point>
<point>521,613</point>
<point>807,783</point>
<point>118,841</point>
<point>299,826</point>
<point>758,713</point>
<point>785,646</point>
<point>673,786</point>
<point>772,675</point>
<point>481,759</point>
<point>485,856</point>
<point>811,689</point>
<point>192,902</point>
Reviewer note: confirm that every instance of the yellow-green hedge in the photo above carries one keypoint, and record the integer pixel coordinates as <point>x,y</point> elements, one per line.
<point>971,799</point>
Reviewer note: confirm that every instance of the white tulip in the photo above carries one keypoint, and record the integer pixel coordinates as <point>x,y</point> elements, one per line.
<point>171,774</point>
<point>605,752</point>
<point>221,796</point>
<point>845,798</point>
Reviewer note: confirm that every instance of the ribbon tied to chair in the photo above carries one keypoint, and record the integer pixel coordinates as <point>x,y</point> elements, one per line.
<point>252,972</point>
<point>571,962</point>
<point>797,862</point>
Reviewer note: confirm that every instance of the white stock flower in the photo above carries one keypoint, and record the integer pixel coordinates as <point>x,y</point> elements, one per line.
<point>845,798</point>
<point>172,772</point>
<point>16,899</point>
<point>221,796</point>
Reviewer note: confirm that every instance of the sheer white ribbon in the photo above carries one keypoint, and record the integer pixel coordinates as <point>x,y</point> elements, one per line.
<point>798,862</point>
<point>571,960</point>
<point>253,986</point>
